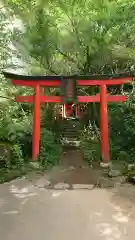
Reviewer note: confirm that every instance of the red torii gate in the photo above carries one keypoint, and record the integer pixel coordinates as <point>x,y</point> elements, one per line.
<point>102,81</point>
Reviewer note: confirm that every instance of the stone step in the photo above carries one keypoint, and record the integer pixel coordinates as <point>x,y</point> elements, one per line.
<point>70,142</point>
<point>71,126</point>
<point>71,130</point>
<point>70,134</point>
<point>70,123</point>
<point>70,139</point>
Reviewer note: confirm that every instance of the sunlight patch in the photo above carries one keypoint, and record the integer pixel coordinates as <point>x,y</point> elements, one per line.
<point>56,194</point>
<point>109,231</point>
<point>22,192</point>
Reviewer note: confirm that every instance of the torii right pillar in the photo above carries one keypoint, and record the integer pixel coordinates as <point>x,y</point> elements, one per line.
<point>104,124</point>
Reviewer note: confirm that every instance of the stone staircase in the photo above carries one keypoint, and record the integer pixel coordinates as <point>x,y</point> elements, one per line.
<point>70,132</point>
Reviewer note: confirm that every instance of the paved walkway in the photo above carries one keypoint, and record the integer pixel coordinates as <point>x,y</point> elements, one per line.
<point>30,210</point>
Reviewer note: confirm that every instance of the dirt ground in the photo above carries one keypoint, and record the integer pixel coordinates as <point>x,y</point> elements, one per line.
<point>75,170</point>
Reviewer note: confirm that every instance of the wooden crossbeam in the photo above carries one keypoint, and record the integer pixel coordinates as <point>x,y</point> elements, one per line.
<point>81,99</point>
<point>57,83</point>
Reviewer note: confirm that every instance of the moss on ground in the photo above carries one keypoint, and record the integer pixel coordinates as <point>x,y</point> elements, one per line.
<point>7,175</point>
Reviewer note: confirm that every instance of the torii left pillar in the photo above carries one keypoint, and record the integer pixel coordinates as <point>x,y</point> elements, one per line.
<point>36,124</point>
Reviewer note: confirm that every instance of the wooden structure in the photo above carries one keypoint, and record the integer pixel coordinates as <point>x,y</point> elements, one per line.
<point>103,97</point>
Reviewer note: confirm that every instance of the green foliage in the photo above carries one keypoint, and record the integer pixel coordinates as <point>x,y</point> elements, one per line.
<point>16,156</point>
<point>47,116</point>
<point>50,149</point>
<point>8,174</point>
<point>48,120</point>
<point>121,134</point>
<point>90,145</point>
<point>67,37</point>
<point>122,130</point>
<point>15,126</point>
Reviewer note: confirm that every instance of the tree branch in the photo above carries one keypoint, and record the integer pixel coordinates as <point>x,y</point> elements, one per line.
<point>65,55</point>
<point>69,58</point>
<point>50,67</point>
<point>9,98</point>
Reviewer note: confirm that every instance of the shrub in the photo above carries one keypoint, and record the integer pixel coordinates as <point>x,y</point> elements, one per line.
<point>15,129</point>
<point>121,134</point>
<point>90,145</point>
<point>16,159</point>
<point>122,130</point>
<point>49,122</point>
<point>50,149</point>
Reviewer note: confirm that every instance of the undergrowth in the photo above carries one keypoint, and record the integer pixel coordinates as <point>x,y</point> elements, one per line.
<point>121,135</point>
<point>90,145</point>
<point>50,149</point>
<point>16,141</point>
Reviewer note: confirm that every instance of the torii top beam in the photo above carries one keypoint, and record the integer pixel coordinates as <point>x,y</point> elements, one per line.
<point>55,81</point>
